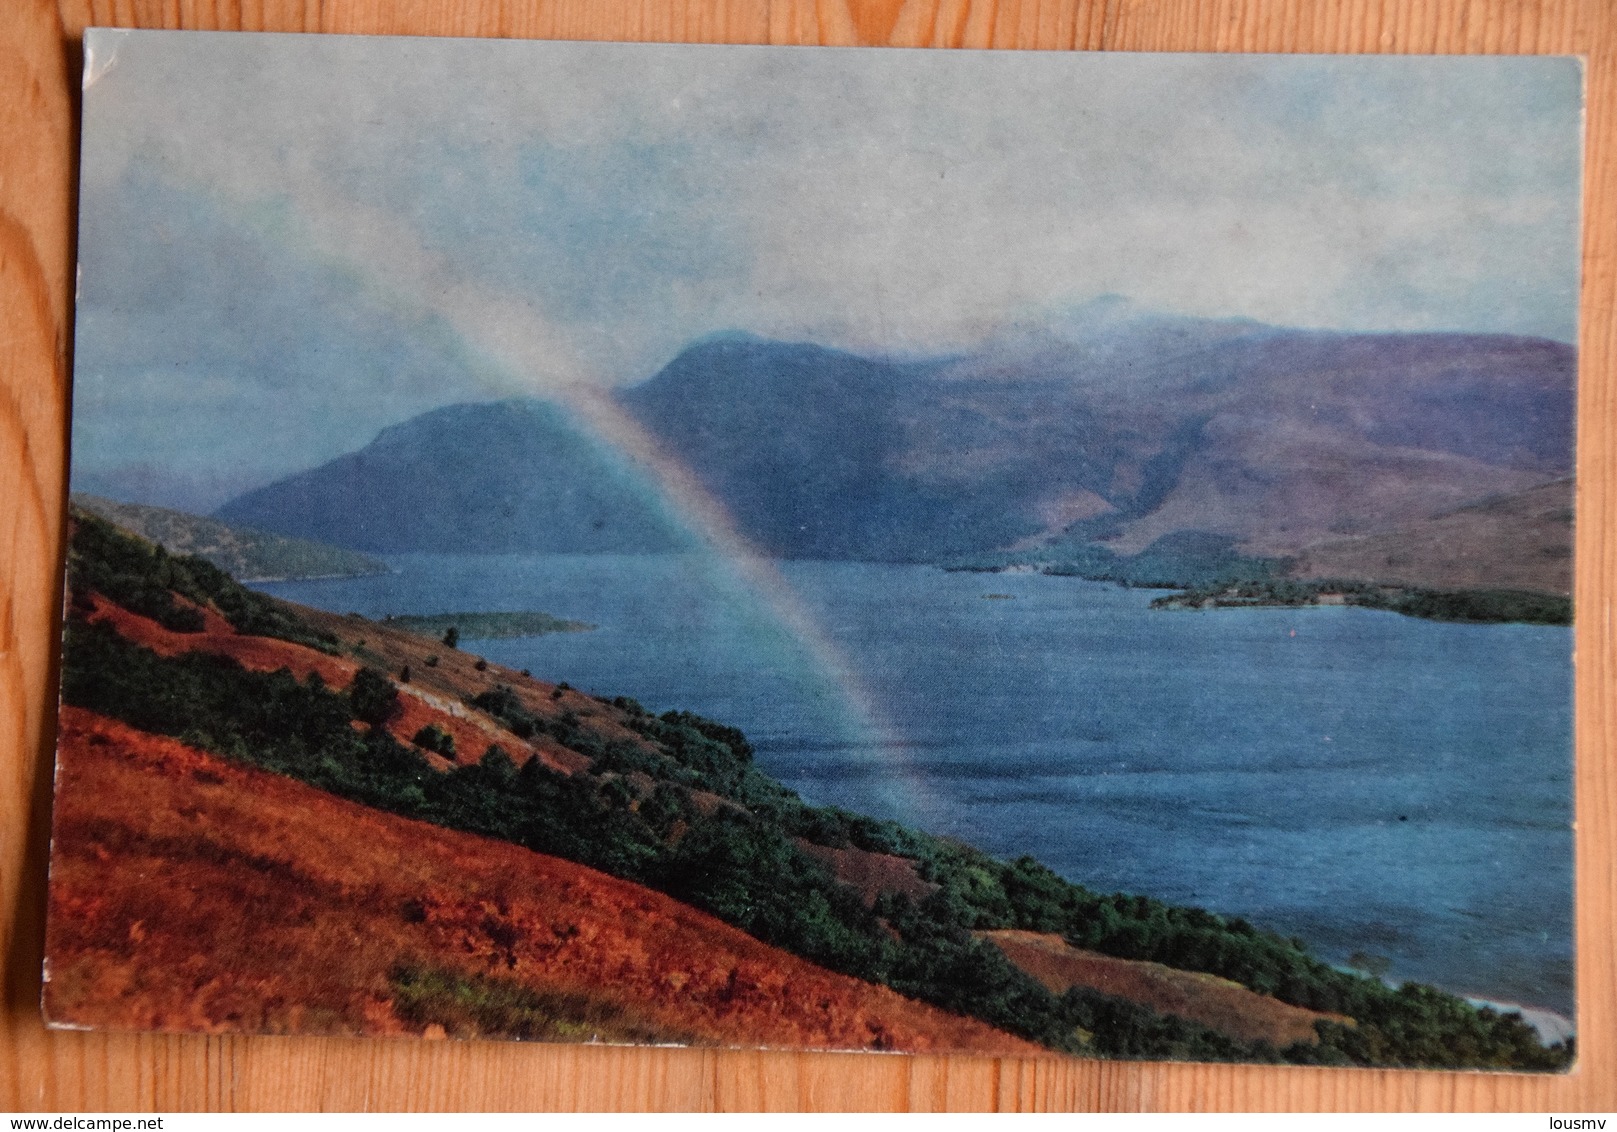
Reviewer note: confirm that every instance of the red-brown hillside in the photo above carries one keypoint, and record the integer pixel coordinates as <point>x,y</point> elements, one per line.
<point>1216,1003</point>
<point>262,654</point>
<point>433,698</point>
<point>190,893</point>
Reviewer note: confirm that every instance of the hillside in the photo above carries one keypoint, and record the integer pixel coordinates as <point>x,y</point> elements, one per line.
<point>1505,558</point>
<point>380,718</point>
<point>1519,541</point>
<point>247,554</point>
<point>1106,431</point>
<point>193,893</point>
<point>1217,1003</point>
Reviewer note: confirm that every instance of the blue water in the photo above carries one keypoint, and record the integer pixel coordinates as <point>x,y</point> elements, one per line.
<point>1364,781</point>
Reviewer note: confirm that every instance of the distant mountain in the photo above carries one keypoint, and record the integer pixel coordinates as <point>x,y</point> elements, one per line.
<point>1107,425</point>
<point>1113,424</point>
<point>494,477</point>
<point>242,552</point>
<point>807,446</point>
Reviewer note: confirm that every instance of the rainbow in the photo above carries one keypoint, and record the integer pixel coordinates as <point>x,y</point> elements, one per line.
<point>516,353</point>
<point>754,577</point>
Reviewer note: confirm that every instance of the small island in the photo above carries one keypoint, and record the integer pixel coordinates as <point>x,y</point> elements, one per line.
<point>487,626</point>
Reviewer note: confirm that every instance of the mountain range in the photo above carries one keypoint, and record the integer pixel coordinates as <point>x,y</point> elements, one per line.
<point>497,477</point>
<point>1110,425</point>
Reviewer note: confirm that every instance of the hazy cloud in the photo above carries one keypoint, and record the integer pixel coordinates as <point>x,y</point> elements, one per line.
<point>315,220</point>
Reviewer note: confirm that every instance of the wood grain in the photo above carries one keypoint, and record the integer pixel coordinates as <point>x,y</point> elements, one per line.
<point>39,62</point>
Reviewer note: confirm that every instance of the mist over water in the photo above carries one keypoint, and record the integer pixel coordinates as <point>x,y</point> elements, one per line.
<point>1368,782</point>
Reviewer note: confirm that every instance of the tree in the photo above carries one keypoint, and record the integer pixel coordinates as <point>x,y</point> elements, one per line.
<point>373,697</point>
<point>452,637</point>
<point>435,739</point>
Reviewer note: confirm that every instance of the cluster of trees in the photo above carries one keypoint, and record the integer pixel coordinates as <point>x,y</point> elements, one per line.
<point>744,861</point>
<point>1481,606</point>
<point>435,739</point>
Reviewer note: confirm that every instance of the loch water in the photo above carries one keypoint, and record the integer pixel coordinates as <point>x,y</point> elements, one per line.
<point>1364,781</point>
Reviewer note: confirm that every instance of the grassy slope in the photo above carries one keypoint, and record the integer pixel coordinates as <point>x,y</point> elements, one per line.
<point>1218,1003</point>
<point>1512,542</point>
<point>192,893</point>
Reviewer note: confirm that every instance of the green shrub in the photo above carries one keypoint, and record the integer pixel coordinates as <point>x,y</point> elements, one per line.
<point>373,697</point>
<point>473,1006</point>
<point>435,739</point>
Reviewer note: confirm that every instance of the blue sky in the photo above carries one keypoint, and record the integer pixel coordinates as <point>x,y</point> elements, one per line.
<point>290,242</point>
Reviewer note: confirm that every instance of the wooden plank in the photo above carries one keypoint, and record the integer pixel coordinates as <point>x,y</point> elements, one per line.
<point>39,1070</point>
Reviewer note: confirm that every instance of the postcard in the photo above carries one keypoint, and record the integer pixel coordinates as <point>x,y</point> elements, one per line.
<point>1026,554</point>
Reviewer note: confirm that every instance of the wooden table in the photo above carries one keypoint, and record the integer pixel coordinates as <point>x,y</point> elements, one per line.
<point>63,1072</point>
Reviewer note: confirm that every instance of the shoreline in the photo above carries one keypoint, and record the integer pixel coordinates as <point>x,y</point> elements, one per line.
<point>1550,1025</point>
<point>315,577</point>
